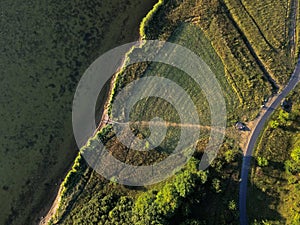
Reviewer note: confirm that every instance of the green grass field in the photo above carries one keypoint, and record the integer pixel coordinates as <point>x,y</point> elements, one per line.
<point>241,69</point>
<point>45,48</point>
<point>244,74</point>
<point>274,188</point>
<point>266,25</point>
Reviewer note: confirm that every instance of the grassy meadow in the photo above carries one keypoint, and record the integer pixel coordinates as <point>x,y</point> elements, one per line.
<point>242,71</point>
<point>257,20</point>
<point>45,48</point>
<point>246,74</point>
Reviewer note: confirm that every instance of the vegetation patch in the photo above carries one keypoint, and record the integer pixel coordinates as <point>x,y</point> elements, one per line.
<point>266,26</point>
<point>275,178</point>
<point>211,30</point>
<point>185,197</point>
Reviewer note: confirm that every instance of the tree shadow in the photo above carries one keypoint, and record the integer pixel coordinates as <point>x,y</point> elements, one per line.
<point>262,198</point>
<point>277,165</point>
<point>261,205</point>
<point>247,128</point>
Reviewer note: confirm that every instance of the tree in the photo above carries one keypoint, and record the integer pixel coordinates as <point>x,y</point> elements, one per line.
<point>296,154</point>
<point>193,222</point>
<point>232,205</point>
<point>261,161</point>
<point>184,183</point>
<point>263,222</point>
<point>293,165</point>
<point>167,200</point>
<point>274,124</point>
<point>154,207</point>
<point>230,155</point>
<point>283,117</point>
<point>216,185</point>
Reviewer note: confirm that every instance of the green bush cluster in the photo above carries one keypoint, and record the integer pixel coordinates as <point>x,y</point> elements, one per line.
<point>109,203</point>
<point>261,161</point>
<point>151,207</point>
<point>292,165</point>
<point>161,205</point>
<point>75,179</point>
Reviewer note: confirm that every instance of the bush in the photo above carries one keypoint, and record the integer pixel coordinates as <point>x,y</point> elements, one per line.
<point>262,162</point>
<point>232,205</point>
<point>274,124</point>
<point>216,183</point>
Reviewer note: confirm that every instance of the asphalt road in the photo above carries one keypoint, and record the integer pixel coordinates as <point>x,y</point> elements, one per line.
<point>295,78</point>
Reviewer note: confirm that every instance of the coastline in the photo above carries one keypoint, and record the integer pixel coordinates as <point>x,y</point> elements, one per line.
<point>43,220</point>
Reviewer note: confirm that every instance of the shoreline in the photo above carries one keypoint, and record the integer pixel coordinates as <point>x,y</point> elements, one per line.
<point>54,206</point>
<point>44,220</point>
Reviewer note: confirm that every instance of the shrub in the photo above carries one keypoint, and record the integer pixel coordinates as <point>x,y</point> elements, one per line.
<point>232,205</point>
<point>262,162</point>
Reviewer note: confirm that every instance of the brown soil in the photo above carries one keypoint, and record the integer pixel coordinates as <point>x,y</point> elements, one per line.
<point>246,135</point>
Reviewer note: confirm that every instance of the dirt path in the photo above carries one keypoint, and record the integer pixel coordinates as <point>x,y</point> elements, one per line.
<point>245,136</point>
<point>168,124</point>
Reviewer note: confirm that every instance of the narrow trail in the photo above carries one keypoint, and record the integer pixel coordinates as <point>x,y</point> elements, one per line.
<point>227,130</point>
<point>168,124</point>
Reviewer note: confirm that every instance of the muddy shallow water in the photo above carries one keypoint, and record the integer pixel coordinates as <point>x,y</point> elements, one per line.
<point>45,48</point>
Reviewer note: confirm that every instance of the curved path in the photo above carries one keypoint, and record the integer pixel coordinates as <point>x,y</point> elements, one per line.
<point>295,78</point>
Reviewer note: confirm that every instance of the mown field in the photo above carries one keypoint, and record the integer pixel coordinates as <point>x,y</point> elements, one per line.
<point>273,49</point>
<point>213,31</point>
<point>191,37</point>
<point>249,76</point>
<point>275,183</point>
<point>242,71</point>
<point>45,48</point>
